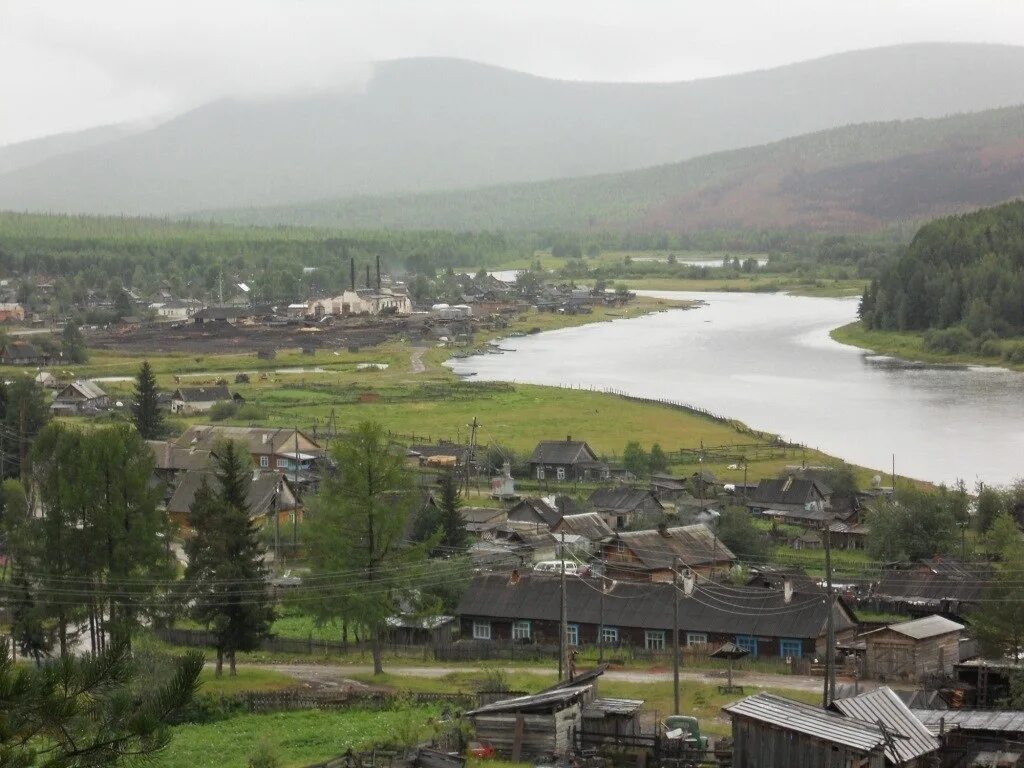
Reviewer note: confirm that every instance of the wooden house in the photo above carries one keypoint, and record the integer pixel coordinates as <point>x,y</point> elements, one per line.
<point>284,450</point>
<point>765,622</point>
<point>913,650</point>
<point>566,461</point>
<point>532,727</point>
<point>652,555</point>
<point>804,500</point>
<point>189,400</point>
<point>770,730</point>
<point>22,353</point>
<point>590,525</point>
<point>939,585</point>
<point>266,493</point>
<point>625,507</point>
<point>80,397</point>
<point>539,512</point>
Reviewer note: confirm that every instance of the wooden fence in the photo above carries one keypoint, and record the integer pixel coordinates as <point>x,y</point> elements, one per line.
<point>262,702</point>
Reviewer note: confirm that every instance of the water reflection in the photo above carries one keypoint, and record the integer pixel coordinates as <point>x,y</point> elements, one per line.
<point>767,359</point>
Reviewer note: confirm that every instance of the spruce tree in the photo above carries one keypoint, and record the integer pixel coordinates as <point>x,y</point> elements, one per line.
<point>72,344</point>
<point>453,528</point>
<point>225,577</point>
<point>146,414</point>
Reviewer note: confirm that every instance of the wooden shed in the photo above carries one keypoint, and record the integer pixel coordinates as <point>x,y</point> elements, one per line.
<point>769,730</point>
<point>913,650</point>
<point>533,727</point>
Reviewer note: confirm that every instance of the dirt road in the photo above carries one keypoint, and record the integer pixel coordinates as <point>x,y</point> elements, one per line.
<point>327,675</point>
<point>416,360</point>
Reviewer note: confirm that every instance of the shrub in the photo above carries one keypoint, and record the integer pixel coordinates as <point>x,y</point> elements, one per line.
<point>265,756</point>
<point>949,340</point>
<point>225,409</point>
<point>251,412</point>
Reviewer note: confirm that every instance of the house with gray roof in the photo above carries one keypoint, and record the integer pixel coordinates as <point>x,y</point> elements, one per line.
<point>566,461</point>
<point>806,500</point>
<point>80,397</point>
<point>624,507</point>
<point>767,623</point>
<point>652,555</point>
<point>188,400</point>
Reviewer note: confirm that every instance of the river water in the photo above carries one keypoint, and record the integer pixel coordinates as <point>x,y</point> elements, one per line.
<point>767,360</point>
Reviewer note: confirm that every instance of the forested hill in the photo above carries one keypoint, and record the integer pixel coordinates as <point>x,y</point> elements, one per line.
<point>439,124</point>
<point>964,272</point>
<point>854,179</point>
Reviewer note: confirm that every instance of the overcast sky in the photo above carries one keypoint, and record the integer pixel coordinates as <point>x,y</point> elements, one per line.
<point>71,64</point>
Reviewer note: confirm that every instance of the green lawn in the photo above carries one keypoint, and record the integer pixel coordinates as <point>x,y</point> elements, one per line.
<point>299,738</point>
<point>247,679</point>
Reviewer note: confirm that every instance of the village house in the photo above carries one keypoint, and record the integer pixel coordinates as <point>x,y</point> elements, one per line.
<point>191,400</point>
<point>804,500</point>
<point>654,555</point>
<point>566,460</point>
<point>767,623</point>
<point>913,650</point>
<point>626,507</point>
<point>668,488</point>
<point>361,301</point>
<point>11,313</point>
<point>80,397</point>
<point>171,460</point>
<point>939,585</point>
<point>47,380</point>
<point>281,449</point>
<point>265,494</point>
<point>482,520</point>
<point>173,310</point>
<point>589,525</point>
<point>546,511</point>
<point>22,353</point>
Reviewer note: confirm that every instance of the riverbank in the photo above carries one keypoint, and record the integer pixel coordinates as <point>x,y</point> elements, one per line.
<point>910,345</point>
<point>758,283</point>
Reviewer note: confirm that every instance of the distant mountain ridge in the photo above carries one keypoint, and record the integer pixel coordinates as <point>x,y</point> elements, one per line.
<point>853,179</point>
<point>439,124</point>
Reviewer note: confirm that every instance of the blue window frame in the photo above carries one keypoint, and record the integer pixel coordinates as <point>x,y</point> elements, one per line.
<point>790,647</point>
<point>747,643</point>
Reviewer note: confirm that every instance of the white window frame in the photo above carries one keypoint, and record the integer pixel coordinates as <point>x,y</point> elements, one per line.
<point>560,473</point>
<point>481,630</point>
<point>654,639</point>
<point>282,463</point>
<point>609,635</point>
<point>264,461</point>
<point>572,634</point>
<point>540,472</point>
<point>696,639</point>
<point>522,629</point>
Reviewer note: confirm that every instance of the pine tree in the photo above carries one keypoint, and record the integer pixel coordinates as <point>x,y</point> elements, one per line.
<point>146,414</point>
<point>225,577</point>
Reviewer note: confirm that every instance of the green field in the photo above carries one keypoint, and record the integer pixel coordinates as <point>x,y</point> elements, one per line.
<point>299,738</point>
<point>763,283</point>
<point>909,345</point>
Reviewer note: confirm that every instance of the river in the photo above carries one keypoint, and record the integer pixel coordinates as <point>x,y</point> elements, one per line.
<point>767,360</point>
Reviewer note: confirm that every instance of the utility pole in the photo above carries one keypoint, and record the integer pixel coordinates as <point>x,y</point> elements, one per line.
<point>471,455</point>
<point>829,692</point>
<point>675,635</point>
<point>277,527</point>
<point>600,623</point>
<point>295,490</point>
<point>563,630</point>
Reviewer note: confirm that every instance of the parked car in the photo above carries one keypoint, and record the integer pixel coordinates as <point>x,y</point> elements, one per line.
<point>554,566</point>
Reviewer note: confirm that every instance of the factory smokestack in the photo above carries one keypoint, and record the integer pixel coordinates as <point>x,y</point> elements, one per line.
<point>352,272</point>
<point>378,273</point>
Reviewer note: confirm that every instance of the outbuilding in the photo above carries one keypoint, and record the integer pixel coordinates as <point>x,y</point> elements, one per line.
<point>80,397</point>
<point>533,727</point>
<point>913,650</point>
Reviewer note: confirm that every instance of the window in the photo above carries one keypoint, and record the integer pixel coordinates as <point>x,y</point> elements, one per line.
<point>560,473</point>
<point>696,638</point>
<point>790,647</point>
<point>481,630</point>
<point>654,640</point>
<point>521,630</point>
<point>747,643</point>
<point>572,634</point>
<point>282,463</point>
<point>540,473</point>
<point>609,634</point>
<point>264,461</point>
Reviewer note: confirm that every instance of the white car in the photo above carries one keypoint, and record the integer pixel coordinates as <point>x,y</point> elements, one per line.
<point>554,566</point>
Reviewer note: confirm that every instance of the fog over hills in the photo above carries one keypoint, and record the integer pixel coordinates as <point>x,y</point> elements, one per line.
<point>853,179</point>
<point>441,124</point>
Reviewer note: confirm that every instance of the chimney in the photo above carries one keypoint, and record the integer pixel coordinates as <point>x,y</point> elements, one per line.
<point>378,273</point>
<point>787,590</point>
<point>568,438</point>
<point>352,272</point>
<point>663,529</point>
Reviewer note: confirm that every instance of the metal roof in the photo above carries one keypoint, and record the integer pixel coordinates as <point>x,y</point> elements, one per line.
<point>548,700</point>
<point>810,720</point>
<point>929,626</point>
<point>912,738</point>
<point>1000,721</point>
<point>599,708</point>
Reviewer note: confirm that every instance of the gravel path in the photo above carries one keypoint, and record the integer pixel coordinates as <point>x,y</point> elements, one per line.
<point>416,360</point>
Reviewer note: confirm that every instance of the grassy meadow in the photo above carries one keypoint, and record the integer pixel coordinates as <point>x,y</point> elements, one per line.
<point>910,345</point>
